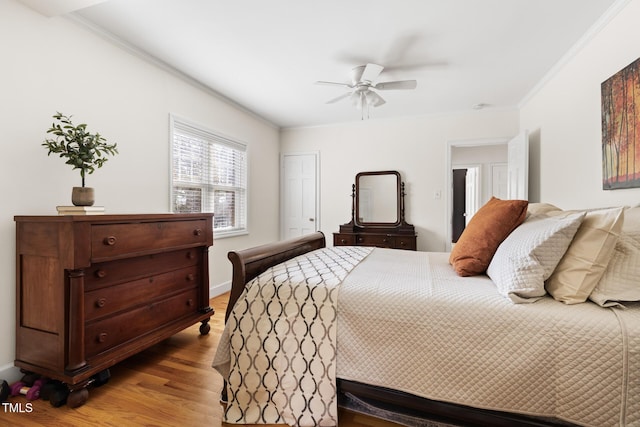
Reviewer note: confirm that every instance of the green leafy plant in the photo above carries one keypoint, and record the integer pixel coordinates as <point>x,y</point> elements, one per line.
<point>82,149</point>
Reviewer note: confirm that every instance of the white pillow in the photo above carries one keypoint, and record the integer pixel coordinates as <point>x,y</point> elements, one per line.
<point>529,255</point>
<point>620,281</point>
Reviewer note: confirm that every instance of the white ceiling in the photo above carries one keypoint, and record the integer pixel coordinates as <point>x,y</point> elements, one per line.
<point>267,55</point>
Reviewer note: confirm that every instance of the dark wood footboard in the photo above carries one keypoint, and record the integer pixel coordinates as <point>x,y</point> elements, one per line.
<point>249,263</point>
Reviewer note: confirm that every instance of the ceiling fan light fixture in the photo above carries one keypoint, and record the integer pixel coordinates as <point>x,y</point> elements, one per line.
<point>374,99</point>
<point>356,99</point>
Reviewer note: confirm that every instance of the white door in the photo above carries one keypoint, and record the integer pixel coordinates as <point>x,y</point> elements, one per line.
<point>472,197</point>
<point>299,182</point>
<point>499,180</point>
<point>518,167</point>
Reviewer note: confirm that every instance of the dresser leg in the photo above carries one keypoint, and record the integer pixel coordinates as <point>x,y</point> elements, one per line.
<point>205,327</point>
<point>78,397</point>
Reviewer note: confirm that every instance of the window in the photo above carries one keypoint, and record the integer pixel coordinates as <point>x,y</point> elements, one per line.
<point>209,174</point>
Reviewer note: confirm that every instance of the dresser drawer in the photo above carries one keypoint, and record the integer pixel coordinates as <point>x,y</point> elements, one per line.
<point>105,334</point>
<point>124,270</point>
<point>406,242</point>
<point>379,240</point>
<point>344,239</point>
<point>117,240</point>
<point>105,301</point>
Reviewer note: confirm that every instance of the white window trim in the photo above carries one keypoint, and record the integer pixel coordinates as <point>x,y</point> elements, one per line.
<point>218,234</point>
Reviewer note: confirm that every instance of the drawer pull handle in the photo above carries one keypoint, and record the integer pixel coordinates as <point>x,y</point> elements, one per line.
<point>197,232</point>
<point>101,274</point>
<point>110,240</point>
<point>344,241</point>
<point>190,302</point>
<point>101,302</point>
<point>102,337</point>
<point>191,277</point>
<point>191,255</point>
<point>402,243</point>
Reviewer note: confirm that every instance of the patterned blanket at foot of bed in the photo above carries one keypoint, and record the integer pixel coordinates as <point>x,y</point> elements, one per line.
<point>278,349</point>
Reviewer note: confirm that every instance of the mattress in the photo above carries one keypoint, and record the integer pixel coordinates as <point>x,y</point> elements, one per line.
<point>406,321</point>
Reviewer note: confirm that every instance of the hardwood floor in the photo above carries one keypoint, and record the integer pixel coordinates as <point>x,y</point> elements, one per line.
<point>169,384</point>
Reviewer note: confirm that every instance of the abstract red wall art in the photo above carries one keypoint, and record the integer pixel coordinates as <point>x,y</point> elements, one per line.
<point>621,129</point>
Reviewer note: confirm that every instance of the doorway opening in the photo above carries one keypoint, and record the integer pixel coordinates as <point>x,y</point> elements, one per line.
<point>504,170</point>
<point>476,156</point>
<point>465,198</point>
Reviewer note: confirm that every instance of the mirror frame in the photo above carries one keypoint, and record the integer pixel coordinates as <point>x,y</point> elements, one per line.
<point>399,216</point>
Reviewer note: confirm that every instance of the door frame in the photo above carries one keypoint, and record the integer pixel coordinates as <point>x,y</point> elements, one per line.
<point>448,178</point>
<point>316,155</point>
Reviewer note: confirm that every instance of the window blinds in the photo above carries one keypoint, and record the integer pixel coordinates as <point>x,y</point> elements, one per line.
<point>209,174</point>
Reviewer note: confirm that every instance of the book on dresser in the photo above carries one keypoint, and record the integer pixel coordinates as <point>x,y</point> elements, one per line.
<point>80,210</point>
<point>92,290</point>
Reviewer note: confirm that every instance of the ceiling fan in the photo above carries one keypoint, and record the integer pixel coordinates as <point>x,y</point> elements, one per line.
<point>362,90</point>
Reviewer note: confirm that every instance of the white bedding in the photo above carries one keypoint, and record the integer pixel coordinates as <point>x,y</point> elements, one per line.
<point>406,321</point>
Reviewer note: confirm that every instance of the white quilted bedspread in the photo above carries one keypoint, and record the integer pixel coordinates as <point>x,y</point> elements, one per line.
<point>416,326</point>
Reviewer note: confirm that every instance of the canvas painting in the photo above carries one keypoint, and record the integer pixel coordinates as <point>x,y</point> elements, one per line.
<point>621,129</point>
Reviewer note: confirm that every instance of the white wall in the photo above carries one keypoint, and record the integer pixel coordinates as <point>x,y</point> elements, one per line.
<point>564,119</point>
<point>415,146</point>
<point>51,64</point>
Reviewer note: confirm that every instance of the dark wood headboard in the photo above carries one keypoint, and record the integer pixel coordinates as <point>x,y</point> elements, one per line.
<point>249,263</point>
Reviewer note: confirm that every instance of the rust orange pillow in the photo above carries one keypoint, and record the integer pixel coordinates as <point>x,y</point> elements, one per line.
<point>479,241</point>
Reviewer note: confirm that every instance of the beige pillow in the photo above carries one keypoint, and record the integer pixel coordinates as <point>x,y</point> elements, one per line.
<point>584,263</point>
<point>486,230</point>
<point>620,281</point>
<point>541,209</point>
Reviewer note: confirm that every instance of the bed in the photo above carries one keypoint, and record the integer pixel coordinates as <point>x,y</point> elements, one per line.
<point>412,337</point>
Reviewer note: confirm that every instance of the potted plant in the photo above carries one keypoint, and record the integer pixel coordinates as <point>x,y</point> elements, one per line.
<point>81,149</point>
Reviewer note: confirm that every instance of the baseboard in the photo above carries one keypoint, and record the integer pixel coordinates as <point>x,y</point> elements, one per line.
<point>220,289</point>
<point>10,373</point>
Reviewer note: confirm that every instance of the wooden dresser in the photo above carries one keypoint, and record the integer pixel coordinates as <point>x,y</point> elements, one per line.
<point>377,214</point>
<point>94,290</point>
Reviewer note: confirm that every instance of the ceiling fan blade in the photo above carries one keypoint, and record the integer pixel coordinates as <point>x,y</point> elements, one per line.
<point>371,72</point>
<point>334,84</point>
<point>374,99</point>
<point>343,96</point>
<point>400,84</point>
<point>356,74</point>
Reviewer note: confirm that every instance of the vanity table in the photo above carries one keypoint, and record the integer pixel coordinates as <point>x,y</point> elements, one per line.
<point>377,213</point>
